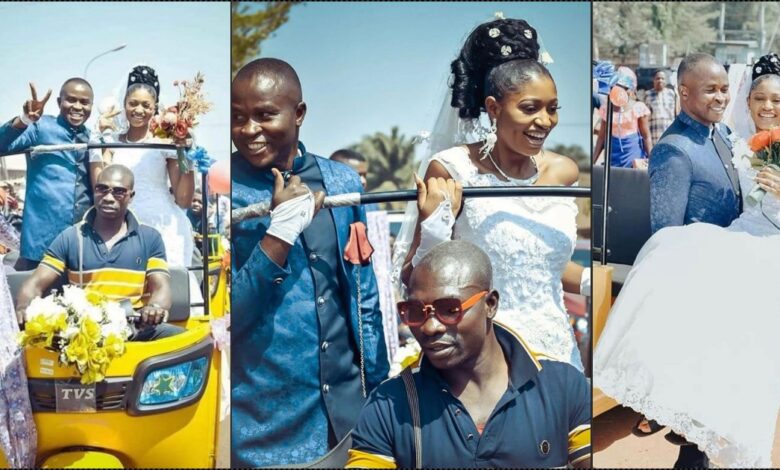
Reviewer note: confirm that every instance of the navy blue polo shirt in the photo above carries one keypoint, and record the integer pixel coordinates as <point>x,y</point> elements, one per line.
<point>118,273</point>
<point>542,420</point>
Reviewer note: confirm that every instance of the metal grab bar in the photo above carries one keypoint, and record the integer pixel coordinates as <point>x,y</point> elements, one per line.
<point>262,209</point>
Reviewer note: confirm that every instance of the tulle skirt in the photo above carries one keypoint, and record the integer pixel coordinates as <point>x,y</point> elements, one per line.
<point>692,340</point>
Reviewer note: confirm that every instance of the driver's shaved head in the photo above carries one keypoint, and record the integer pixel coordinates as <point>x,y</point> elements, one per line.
<point>278,70</point>
<point>122,173</point>
<point>458,261</point>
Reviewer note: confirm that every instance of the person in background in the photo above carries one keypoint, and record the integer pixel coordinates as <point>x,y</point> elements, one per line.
<point>662,102</point>
<point>630,129</point>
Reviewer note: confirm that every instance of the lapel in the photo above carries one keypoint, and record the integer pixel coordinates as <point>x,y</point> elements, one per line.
<point>723,150</point>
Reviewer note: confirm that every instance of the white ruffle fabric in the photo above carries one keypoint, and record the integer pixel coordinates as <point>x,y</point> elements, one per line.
<point>691,341</point>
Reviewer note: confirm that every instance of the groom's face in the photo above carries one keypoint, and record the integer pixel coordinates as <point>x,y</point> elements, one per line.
<point>704,92</point>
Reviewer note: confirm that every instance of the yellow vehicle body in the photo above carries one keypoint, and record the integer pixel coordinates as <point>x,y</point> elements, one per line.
<point>184,437</point>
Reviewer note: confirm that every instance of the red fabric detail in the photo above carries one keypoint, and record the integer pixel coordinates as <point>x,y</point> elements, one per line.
<point>358,249</point>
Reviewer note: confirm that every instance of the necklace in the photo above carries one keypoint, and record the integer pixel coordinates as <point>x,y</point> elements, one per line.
<point>142,139</point>
<point>520,181</point>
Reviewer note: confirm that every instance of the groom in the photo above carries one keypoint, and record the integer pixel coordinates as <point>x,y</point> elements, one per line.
<point>692,178</point>
<point>59,183</point>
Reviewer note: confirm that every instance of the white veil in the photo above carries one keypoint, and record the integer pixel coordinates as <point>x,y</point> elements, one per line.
<point>448,131</point>
<point>737,115</point>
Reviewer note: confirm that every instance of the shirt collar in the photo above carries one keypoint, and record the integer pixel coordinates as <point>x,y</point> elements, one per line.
<point>298,162</point>
<point>75,130</point>
<point>130,218</point>
<point>523,365</point>
<point>699,128</point>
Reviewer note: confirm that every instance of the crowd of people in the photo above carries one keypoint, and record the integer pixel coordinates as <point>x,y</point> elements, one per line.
<point>483,299</point>
<point>638,124</point>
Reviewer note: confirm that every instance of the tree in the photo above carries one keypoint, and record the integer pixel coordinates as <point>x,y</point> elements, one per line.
<point>621,27</point>
<point>251,28</point>
<point>391,161</point>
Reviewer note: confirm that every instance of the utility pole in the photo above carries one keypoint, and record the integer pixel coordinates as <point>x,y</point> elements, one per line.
<point>722,22</point>
<point>762,36</point>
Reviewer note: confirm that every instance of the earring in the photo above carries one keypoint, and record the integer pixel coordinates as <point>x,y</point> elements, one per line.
<point>490,140</point>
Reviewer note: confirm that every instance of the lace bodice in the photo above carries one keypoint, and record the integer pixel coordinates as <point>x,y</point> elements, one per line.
<point>529,241</point>
<point>754,217</point>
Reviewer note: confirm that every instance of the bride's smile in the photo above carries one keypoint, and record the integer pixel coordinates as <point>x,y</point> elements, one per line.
<point>764,103</point>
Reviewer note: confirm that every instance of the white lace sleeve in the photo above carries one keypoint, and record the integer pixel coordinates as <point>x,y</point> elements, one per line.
<point>457,163</point>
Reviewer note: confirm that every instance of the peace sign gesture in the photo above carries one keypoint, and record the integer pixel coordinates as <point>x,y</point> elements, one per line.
<point>33,108</point>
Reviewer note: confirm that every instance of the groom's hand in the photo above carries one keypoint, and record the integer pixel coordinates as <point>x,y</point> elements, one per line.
<point>33,108</point>
<point>769,180</point>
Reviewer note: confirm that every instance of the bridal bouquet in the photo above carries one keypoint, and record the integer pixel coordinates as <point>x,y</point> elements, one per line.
<point>86,330</point>
<point>766,148</point>
<point>176,121</point>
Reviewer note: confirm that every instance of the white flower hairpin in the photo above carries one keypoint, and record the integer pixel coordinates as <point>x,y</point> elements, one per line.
<point>528,34</point>
<point>494,32</point>
<point>499,15</point>
<point>506,50</point>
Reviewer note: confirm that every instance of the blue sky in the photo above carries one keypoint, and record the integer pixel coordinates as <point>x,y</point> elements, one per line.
<point>365,66</point>
<point>46,43</point>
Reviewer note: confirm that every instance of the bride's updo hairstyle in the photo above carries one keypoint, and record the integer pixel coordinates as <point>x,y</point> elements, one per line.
<point>143,77</point>
<point>497,58</point>
<point>765,67</point>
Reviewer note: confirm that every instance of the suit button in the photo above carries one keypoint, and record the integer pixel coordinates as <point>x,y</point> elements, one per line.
<point>325,388</point>
<point>278,280</point>
<point>470,436</point>
<point>313,257</point>
<point>320,301</point>
<point>324,346</point>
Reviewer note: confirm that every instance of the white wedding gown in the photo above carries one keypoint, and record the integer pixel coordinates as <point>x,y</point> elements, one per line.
<point>692,339</point>
<point>153,203</point>
<point>529,241</point>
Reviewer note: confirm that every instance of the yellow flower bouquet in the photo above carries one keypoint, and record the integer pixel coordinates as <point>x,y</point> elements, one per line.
<point>84,328</point>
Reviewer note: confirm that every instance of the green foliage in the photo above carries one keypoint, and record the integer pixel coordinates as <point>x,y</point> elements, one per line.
<point>391,161</point>
<point>252,24</point>
<point>621,27</point>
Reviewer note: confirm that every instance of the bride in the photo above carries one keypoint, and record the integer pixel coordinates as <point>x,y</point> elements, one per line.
<point>154,204</point>
<point>691,340</point>
<point>530,240</point>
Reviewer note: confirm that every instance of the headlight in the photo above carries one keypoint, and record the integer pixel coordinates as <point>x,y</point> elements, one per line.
<point>170,381</point>
<point>174,383</point>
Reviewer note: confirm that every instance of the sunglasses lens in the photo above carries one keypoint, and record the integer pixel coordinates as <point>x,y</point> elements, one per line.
<point>448,310</point>
<point>412,312</point>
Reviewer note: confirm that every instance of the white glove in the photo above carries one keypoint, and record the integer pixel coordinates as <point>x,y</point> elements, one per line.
<point>434,230</point>
<point>290,218</point>
<point>585,282</point>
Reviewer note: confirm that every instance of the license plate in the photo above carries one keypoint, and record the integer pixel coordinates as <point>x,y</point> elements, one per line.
<point>75,397</point>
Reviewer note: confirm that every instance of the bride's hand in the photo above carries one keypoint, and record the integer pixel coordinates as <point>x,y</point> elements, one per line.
<point>106,120</point>
<point>431,195</point>
<point>769,180</point>
<point>185,142</point>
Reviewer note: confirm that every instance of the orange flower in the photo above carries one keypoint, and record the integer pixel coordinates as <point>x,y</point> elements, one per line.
<point>775,134</point>
<point>181,130</point>
<point>760,140</point>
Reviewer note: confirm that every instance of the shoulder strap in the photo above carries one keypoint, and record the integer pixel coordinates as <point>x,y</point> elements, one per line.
<point>414,407</point>
<point>80,236</point>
